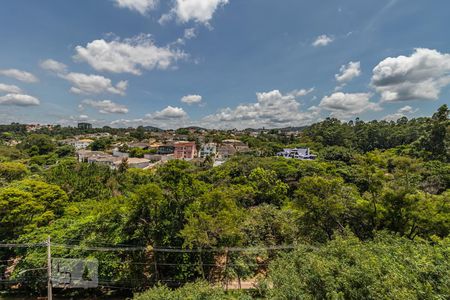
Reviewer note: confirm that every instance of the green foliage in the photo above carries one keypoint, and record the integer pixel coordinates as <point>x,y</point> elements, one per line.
<point>137,152</point>
<point>268,225</point>
<point>147,211</point>
<point>191,291</point>
<point>101,144</point>
<point>84,181</point>
<point>213,220</point>
<point>268,189</point>
<point>182,131</point>
<point>337,153</point>
<point>326,205</point>
<point>28,204</point>
<point>10,153</point>
<point>347,268</point>
<point>11,171</point>
<point>437,141</point>
<point>38,144</point>
<point>64,151</point>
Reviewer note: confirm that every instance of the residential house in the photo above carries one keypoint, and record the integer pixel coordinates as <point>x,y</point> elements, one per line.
<point>237,144</point>
<point>297,153</point>
<point>166,149</point>
<point>35,127</point>
<point>159,157</point>
<point>85,155</point>
<point>140,145</point>
<point>111,161</point>
<point>224,151</point>
<point>82,144</point>
<point>185,150</point>
<point>209,149</point>
<point>138,163</point>
<point>116,152</point>
<point>78,144</point>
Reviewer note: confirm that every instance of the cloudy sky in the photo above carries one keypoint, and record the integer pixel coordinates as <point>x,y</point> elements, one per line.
<point>221,63</point>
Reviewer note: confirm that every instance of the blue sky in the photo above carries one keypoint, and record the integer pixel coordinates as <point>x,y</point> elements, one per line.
<point>221,63</point>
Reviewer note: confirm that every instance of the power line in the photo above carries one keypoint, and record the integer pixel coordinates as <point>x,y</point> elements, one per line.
<point>123,247</point>
<point>25,245</point>
<point>176,250</point>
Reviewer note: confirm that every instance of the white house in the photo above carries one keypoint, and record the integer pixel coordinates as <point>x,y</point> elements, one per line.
<point>78,144</point>
<point>209,149</point>
<point>297,153</point>
<point>82,144</point>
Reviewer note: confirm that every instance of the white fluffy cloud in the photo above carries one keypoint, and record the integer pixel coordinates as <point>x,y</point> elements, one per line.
<point>127,56</point>
<point>272,109</point>
<point>191,99</point>
<point>401,112</point>
<point>301,92</point>
<point>169,112</point>
<point>141,6</point>
<point>348,72</point>
<point>94,84</point>
<point>322,40</point>
<point>200,11</point>
<point>19,75</point>
<point>53,65</point>
<point>190,33</point>
<point>129,122</point>
<point>344,105</point>
<point>169,117</point>
<point>19,100</point>
<point>9,89</point>
<point>106,106</point>
<point>420,76</point>
<point>407,110</point>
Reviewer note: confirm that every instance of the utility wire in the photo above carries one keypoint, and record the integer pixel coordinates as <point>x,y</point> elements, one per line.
<point>176,250</point>
<point>27,245</point>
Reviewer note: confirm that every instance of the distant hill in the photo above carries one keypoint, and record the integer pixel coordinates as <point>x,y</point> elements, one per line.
<point>193,128</point>
<point>153,128</point>
<point>298,128</point>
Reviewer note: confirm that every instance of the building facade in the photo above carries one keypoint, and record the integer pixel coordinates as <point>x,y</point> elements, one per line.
<point>209,149</point>
<point>185,150</point>
<point>84,126</point>
<point>297,153</point>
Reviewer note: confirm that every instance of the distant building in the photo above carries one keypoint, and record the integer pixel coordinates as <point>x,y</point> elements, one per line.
<point>297,153</point>
<point>116,152</point>
<point>108,160</point>
<point>185,150</point>
<point>35,127</point>
<point>139,145</point>
<point>102,158</point>
<point>78,144</point>
<point>237,144</point>
<point>86,155</point>
<point>159,157</point>
<point>166,149</point>
<point>138,163</point>
<point>84,126</point>
<point>82,144</point>
<point>225,151</point>
<point>209,149</point>
<point>231,147</point>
